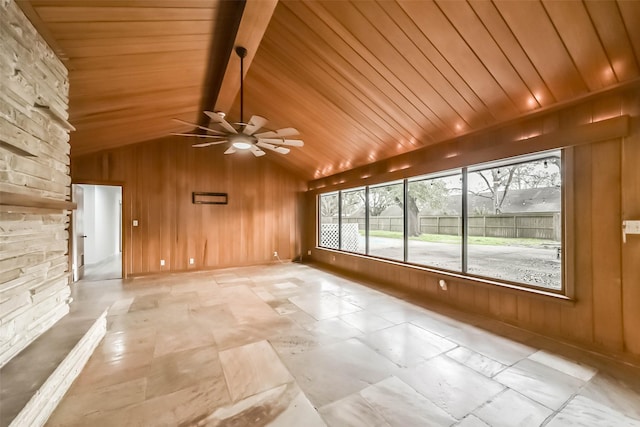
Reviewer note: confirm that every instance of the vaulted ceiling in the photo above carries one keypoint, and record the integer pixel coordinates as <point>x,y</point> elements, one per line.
<point>361,80</point>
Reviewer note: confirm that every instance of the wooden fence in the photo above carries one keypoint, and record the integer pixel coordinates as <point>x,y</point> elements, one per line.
<point>542,225</point>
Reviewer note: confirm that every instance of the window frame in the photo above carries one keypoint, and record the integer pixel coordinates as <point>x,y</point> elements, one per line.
<point>511,161</point>
<point>366,220</point>
<point>433,176</point>
<point>566,289</point>
<point>319,219</point>
<point>404,223</point>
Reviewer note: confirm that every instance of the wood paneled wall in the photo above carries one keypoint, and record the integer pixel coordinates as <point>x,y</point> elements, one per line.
<point>34,184</point>
<point>604,186</point>
<point>158,177</point>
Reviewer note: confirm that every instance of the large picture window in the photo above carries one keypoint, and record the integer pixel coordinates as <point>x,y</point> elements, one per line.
<point>353,220</point>
<point>386,221</point>
<point>328,219</point>
<point>434,209</point>
<point>514,212</point>
<point>501,220</point>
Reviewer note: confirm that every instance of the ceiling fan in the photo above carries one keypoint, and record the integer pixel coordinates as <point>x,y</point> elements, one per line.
<point>241,135</point>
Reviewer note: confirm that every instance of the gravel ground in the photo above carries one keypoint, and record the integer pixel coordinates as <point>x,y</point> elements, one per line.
<point>533,266</point>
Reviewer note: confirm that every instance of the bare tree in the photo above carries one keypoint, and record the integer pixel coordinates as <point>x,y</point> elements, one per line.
<point>498,181</point>
<point>329,206</point>
<point>532,175</point>
<point>380,198</point>
<point>352,202</point>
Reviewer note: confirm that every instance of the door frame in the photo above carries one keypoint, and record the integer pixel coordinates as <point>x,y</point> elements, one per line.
<point>124,222</point>
<point>73,238</point>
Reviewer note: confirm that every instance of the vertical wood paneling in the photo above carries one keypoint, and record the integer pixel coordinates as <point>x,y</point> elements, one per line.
<point>578,321</point>
<point>159,177</point>
<point>552,315</point>
<point>495,304</point>
<point>509,307</point>
<point>481,298</point>
<point>537,315</point>
<point>605,241</point>
<point>630,176</point>
<point>466,296</point>
<point>524,310</point>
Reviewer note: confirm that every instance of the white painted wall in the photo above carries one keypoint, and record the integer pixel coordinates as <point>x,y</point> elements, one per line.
<point>89,207</point>
<point>102,206</point>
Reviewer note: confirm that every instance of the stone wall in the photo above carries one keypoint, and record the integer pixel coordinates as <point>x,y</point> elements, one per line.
<point>34,178</point>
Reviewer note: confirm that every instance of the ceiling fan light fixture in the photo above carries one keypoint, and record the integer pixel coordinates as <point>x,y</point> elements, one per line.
<point>242,141</point>
<point>243,135</point>
<point>242,145</point>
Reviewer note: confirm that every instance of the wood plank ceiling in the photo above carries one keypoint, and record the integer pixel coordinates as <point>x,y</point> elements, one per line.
<point>361,80</point>
<point>133,64</point>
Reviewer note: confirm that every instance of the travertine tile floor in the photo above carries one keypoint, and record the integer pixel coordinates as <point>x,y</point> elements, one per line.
<point>291,345</point>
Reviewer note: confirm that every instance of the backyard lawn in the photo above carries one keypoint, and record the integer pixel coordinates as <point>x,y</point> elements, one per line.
<point>473,240</point>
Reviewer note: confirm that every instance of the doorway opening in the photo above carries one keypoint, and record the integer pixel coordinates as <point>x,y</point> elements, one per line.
<point>97,232</point>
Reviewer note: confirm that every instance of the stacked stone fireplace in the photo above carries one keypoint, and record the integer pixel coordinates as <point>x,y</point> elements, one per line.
<point>34,184</point>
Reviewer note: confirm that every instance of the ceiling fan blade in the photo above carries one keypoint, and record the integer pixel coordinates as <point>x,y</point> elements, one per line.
<point>262,144</point>
<point>255,124</point>
<point>198,126</point>
<point>206,144</point>
<point>230,150</point>
<point>289,142</point>
<point>197,135</point>
<point>217,118</point>
<point>257,152</point>
<point>293,142</point>
<point>280,133</point>
<point>281,150</point>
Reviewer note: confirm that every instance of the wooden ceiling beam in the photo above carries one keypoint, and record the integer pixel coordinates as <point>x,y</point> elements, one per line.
<point>227,21</point>
<point>255,19</point>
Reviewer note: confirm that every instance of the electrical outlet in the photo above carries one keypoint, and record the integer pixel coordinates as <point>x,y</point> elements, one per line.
<point>135,222</point>
<point>192,261</point>
<point>275,254</point>
<point>161,263</point>
<point>309,252</point>
<point>443,284</point>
